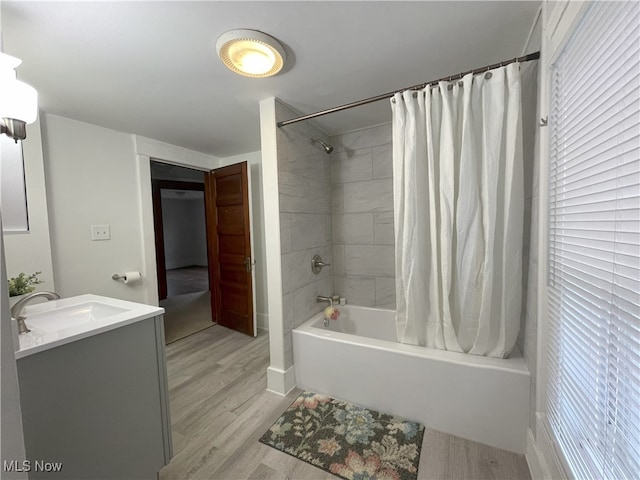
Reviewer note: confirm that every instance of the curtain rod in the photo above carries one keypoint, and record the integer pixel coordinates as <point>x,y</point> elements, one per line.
<point>377,98</point>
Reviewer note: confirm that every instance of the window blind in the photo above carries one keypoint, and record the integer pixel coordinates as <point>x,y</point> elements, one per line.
<point>593,397</point>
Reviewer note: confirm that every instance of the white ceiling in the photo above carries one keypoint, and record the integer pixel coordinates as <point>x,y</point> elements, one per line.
<point>150,68</point>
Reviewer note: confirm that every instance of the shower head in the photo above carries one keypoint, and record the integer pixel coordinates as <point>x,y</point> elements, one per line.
<point>327,148</point>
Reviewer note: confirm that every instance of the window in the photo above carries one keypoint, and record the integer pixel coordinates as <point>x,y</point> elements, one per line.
<point>593,397</point>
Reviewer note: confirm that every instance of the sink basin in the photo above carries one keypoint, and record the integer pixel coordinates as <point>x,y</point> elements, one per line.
<point>58,322</point>
<point>72,316</point>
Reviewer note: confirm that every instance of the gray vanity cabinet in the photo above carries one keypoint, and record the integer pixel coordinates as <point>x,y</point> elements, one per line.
<point>99,405</point>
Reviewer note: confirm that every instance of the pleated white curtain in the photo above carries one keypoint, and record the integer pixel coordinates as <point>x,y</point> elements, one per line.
<point>458,208</point>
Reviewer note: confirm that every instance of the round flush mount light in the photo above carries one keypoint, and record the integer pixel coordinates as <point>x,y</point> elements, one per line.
<point>251,53</point>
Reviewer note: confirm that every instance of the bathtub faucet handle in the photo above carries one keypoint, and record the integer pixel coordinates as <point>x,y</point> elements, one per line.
<point>317,264</point>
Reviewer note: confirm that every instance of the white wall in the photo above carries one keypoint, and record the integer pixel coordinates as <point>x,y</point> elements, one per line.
<point>31,252</point>
<point>185,235</point>
<point>93,176</point>
<point>92,180</point>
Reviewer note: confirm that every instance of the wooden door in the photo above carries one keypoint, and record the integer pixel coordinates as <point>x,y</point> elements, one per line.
<point>229,244</point>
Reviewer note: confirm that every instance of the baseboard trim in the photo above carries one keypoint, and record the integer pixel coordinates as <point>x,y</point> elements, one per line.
<point>281,381</point>
<point>535,459</point>
<point>262,319</point>
<point>542,454</point>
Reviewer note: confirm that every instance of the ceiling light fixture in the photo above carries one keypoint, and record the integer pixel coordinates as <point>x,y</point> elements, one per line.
<point>18,101</point>
<point>251,53</point>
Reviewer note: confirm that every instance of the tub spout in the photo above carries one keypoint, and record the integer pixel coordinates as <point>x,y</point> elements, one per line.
<point>320,298</point>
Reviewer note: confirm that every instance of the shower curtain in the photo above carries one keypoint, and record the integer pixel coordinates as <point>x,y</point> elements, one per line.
<point>458,211</point>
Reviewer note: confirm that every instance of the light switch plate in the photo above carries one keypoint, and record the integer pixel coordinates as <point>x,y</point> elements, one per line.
<point>100,232</point>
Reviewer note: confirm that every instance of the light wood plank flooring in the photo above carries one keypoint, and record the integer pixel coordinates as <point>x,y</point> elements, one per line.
<point>220,408</point>
<point>186,314</point>
<point>185,280</point>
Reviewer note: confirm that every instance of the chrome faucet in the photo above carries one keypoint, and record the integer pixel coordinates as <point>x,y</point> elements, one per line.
<point>16,310</point>
<point>319,299</point>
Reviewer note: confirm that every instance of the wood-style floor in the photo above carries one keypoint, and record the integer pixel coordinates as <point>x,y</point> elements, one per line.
<point>181,281</point>
<point>220,408</point>
<point>186,314</point>
<point>188,303</point>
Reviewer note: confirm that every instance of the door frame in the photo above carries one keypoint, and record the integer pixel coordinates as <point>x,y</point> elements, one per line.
<point>146,150</point>
<point>156,191</point>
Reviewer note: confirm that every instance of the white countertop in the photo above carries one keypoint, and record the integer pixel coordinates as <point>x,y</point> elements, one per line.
<point>58,322</point>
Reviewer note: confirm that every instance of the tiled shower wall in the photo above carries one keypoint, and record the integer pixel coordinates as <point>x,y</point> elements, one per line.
<point>362,217</point>
<point>341,207</point>
<point>304,184</point>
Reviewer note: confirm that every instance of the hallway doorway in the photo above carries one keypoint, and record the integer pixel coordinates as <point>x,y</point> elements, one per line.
<point>181,249</point>
<point>202,224</point>
<point>184,280</point>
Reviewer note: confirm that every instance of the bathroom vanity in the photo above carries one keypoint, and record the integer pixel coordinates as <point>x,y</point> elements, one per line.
<point>93,388</point>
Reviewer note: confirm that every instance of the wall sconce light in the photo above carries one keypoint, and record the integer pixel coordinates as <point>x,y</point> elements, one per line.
<point>18,101</point>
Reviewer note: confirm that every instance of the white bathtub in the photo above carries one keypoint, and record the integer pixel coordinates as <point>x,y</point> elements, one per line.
<point>357,359</point>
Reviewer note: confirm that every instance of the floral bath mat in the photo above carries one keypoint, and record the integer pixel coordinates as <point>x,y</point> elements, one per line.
<point>347,440</point>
